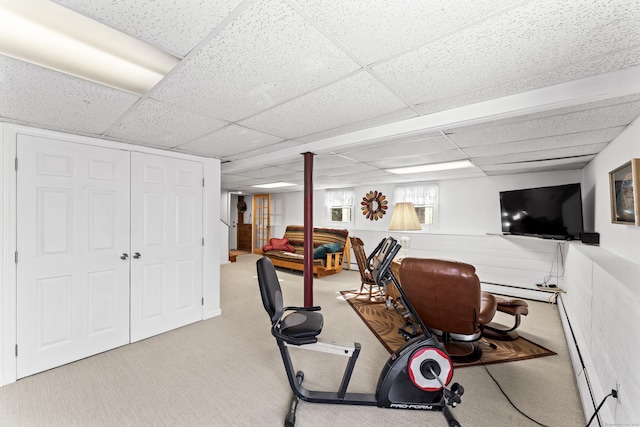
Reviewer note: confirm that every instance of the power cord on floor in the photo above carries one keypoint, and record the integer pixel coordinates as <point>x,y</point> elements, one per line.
<point>505,394</point>
<point>613,393</point>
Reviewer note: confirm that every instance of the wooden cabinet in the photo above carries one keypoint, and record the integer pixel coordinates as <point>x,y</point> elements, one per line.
<point>244,237</point>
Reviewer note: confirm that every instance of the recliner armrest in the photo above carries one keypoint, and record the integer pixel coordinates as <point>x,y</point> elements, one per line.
<point>488,307</point>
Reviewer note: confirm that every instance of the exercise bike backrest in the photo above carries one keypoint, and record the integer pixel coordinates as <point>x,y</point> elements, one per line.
<point>270,290</point>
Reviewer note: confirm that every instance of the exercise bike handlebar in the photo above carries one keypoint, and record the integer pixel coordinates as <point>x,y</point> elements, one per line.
<point>384,274</point>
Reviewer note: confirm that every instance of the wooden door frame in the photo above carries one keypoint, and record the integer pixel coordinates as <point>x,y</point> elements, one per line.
<point>256,222</point>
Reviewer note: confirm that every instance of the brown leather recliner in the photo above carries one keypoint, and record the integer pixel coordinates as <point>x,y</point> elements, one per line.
<point>446,296</point>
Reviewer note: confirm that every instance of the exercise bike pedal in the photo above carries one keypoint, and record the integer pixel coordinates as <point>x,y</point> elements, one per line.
<point>408,335</point>
<point>453,395</point>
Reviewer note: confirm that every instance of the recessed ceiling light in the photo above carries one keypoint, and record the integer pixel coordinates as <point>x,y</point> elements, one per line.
<point>274,185</point>
<point>44,33</point>
<point>433,167</point>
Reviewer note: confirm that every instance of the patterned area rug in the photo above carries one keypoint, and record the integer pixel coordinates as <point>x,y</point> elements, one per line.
<point>384,324</point>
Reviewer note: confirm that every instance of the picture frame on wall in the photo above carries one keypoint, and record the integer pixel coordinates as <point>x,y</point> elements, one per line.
<point>625,194</point>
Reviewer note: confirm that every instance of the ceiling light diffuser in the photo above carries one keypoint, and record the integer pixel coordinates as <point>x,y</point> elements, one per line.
<point>44,33</point>
<point>433,167</point>
<point>274,185</point>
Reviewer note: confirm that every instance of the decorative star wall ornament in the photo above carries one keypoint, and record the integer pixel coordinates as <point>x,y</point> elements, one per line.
<point>374,205</point>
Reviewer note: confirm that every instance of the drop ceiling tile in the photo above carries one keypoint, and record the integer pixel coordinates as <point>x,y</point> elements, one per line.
<point>266,172</point>
<point>232,139</point>
<point>266,56</point>
<point>283,145</point>
<point>159,22</point>
<point>618,60</point>
<point>350,100</point>
<point>377,29</point>
<point>541,166</point>
<point>321,162</point>
<point>400,161</point>
<point>290,177</point>
<point>596,105</point>
<point>228,178</point>
<point>599,118</point>
<point>472,172</point>
<point>329,182</point>
<point>392,117</point>
<point>296,164</point>
<point>408,146</point>
<point>552,142</point>
<point>374,181</point>
<point>161,125</point>
<point>558,153</point>
<point>41,97</point>
<point>538,37</point>
<point>357,168</point>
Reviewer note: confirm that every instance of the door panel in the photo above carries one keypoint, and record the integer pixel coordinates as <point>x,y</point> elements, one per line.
<point>262,221</point>
<point>166,230</point>
<point>72,227</point>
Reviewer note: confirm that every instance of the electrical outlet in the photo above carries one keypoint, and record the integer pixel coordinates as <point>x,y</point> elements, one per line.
<point>618,390</point>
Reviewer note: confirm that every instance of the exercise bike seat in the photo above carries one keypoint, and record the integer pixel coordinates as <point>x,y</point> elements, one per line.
<point>293,325</point>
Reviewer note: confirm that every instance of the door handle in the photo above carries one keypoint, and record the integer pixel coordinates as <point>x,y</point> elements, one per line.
<point>124,256</point>
<point>137,255</point>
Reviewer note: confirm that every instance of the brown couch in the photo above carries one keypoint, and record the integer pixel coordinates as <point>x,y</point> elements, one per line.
<point>288,251</point>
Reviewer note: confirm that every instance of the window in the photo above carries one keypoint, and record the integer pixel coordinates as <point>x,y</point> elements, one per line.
<point>341,214</point>
<point>425,201</point>
<point>425,214</point>
<point>339,204</point>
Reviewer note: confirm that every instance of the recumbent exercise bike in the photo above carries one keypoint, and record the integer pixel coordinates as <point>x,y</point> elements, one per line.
<point>414,377</point>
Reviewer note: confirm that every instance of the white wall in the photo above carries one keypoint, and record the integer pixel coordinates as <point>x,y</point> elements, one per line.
<point>469,209</point>
<point>213,228</point>
<point>622,240</point>
<point>472,206</point>
<point>467,206</point>
<point>223,228</point>
<point>603,294</point>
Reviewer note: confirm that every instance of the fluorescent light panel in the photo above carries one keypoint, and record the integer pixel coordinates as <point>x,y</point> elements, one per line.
<point>274,185</point>
<point>433,167</point>
<point>44,33</point>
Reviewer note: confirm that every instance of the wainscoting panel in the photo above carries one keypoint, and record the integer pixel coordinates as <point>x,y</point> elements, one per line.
<point>510,265</point>
<point>602,304</point>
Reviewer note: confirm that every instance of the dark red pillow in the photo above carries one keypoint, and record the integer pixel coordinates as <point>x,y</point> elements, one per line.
<point>266,248</point>
<point>278,242</point>
<point>281,245</point>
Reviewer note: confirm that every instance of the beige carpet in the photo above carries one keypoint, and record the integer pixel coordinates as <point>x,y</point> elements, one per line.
<point>384,323</point>
<point>227,371</point>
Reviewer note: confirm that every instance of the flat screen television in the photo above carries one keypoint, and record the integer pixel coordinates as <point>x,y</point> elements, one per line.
<point>549,212</point>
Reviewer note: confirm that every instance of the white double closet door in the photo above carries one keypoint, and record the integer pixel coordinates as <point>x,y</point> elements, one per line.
<point>109,249</point>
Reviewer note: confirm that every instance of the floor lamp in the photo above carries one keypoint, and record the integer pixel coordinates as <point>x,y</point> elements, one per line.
<point>404,219</point>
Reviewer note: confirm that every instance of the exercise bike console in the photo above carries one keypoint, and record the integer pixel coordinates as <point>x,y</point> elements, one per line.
<point>414,377</point>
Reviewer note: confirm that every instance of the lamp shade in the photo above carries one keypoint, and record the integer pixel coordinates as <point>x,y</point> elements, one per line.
<point>404,218</point>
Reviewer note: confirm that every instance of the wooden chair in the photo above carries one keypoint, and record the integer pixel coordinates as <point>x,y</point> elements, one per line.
<point>368,282</point>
